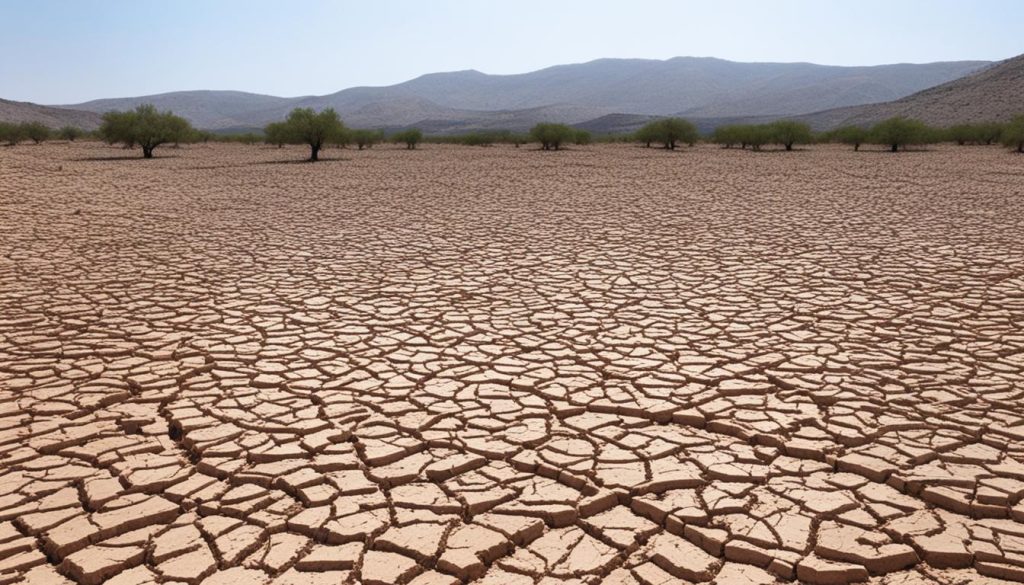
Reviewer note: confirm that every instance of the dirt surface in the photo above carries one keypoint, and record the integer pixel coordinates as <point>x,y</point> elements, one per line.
<point>609,364</point>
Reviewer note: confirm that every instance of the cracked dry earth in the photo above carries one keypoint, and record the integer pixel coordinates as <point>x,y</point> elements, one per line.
<point>604,365</point>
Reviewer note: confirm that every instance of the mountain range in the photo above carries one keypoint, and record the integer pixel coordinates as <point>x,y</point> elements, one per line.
<point>602,95</point>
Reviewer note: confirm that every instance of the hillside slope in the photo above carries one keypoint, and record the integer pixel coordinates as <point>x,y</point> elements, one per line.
<point>996,93</point>
<point>18,112</point>
<point>698,87</point>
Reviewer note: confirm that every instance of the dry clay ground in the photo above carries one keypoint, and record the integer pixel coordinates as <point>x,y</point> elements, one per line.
<point>603,365</point>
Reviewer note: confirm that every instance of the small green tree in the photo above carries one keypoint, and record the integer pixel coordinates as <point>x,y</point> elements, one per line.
<point>145,127</point>
<point>365,138</point>
<point>787,133</point>
<point>670,132</point>
<point>899,132</point>
<point>12,134</point>
<point>727,136</point>
<point>304,126</point>
<point>1013,134</point>
<point>551,136</point>
<point>35,131</point>
<point>69,133</point>
<point>275,133</point>
<point>646,135</point>
<point>410,137</point>
<point>582,138</point>
<point>989,132</point>
<point>963,133</point>
<point>852,135</point>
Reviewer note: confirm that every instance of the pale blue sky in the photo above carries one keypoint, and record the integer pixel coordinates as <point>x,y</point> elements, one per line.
<point>66,51</point>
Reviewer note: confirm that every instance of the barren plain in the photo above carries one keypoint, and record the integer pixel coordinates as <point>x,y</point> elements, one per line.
<point>494,365</point>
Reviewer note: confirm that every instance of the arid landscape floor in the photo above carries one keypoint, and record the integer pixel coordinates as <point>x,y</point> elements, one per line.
<point>494,365</point>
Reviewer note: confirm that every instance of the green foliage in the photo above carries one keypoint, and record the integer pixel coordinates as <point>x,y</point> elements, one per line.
<point>551,136</point>
<point>410,137</point>
<point>1013,134</point>
<point>304,126</point>
<point>984,133</point>
<point>729,136</point>
<point>366,138</point>
<point>276,133</point>
<point>582,138</point>
<point>145,127</point>
<point>787,133</point>
<point>669,132</point>
<point>12,134</point>
<point>35,131</point>
<point>899,133</point>
<point>852,135</point>
<point>70,133</point>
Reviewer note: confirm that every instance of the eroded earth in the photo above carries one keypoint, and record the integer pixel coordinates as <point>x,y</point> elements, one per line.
<point>504,366</point>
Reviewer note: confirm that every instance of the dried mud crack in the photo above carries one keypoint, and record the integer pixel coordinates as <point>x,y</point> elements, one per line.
<point>604,365</point>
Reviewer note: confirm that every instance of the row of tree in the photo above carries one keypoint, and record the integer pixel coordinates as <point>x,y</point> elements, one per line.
<point>37,132</point>
<point>147,128</point>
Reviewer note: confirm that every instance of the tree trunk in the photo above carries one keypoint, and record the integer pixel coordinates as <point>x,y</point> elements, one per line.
<point>856,147</point>
<point>147,152</point>
<point>895,147</point>
<point>1020,147</point>
<point>314,152</point>
<point>789,146</point>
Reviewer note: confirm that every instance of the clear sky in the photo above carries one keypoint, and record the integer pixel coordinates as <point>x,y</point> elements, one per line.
<point>67,51</point>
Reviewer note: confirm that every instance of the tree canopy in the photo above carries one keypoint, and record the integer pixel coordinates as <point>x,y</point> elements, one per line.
<point>1013,134</point>
<point>410,137</point>
<point>304,126</point>
<point>551,136</point>
<point>898,133</point>
<point>669,132</point>
<point>144,127</point>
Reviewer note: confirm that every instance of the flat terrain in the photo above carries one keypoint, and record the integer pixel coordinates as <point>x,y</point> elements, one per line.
<point>604,365</point>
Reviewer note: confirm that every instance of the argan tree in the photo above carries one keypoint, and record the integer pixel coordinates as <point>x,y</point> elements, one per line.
<point>275,133</point>
<point>787,133</point>
<point>552,136</point>
<point>727,136</point>
<point>144,127</point>
<point>35,131</point>
<point>365,138</point>
<point>304,126</point>
<point>582,138</point>
<point>898,133</point>
<point>410,137</point>
<point>70,133</point>
<point>1013,134</point>
<point>12,134</point>
<point>852,135</point>
<point>670,132</point>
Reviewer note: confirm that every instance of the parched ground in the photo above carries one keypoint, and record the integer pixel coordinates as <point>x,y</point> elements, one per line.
<point>603,365</point>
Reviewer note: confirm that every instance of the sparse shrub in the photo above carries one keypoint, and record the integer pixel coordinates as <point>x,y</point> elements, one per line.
<point>852,135</point>
<point>275,133</point>
<point>551,136</point>
<point>410,137</point>
<point>1013,134</point>
<point>989,132</point>
<point>304,126</point>
<point>898,133</point>
<point>35,131</point>
<point>728,136</point>
<point>145,127</point>
<point>582,138</point>
<point>70,133</point>
<point>670,132</point>
<point>12,134</point>
<point>366,138</point>
<point>787,133</point>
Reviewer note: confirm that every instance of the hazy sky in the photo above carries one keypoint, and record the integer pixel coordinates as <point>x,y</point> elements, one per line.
<point>55,51</point>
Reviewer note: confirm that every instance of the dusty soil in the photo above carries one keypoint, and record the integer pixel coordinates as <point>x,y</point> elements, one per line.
<point>609,364</point>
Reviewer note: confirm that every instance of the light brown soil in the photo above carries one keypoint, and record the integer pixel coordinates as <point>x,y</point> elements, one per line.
<point>609,364</point>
